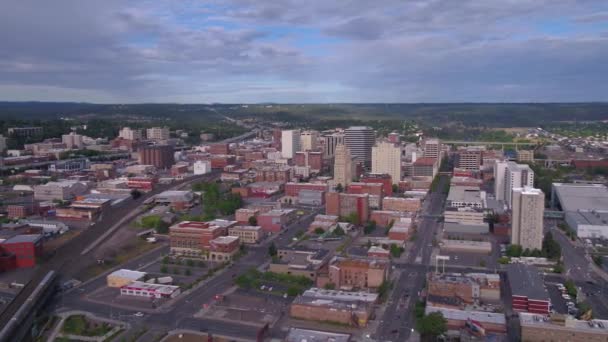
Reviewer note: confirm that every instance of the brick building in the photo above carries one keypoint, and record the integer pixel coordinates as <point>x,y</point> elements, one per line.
<point>26,248</point>
<point>341,204</point>
<point>219,148</point>
<point>293,189</point>
<point>161,156</point>
<point>380,178</point>
<point>374,189</point>
<point>193,238</point>
<point>142,183</point>
<point>350,273</point>
<point>528,292</point>
<point>273,221</point>
<point>243,215</point>
<point>401,204</point>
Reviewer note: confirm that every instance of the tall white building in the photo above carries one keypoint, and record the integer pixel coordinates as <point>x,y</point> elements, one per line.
<point>343,165</point>
<point>330,142</point>
<point>359,140</point>
<point>386,158</point>
<point>517,176</point>
<point>157,133</point>
<point>130,134</point>
<point>72,140</point>
<point>500,169</point>
<point>290,143</point>
<point>527,217</point>
<point>309,140</point>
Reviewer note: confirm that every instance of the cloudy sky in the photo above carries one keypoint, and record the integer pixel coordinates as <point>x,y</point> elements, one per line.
<point>304,51</point>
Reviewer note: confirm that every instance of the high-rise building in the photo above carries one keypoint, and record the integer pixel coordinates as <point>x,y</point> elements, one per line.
<point>386,158</point>
<point>359,140</point>
<point>527,217</point>
<point>330,142</point>
<point>517,176</point>
<point>432,148</point>
<point>161,156</point>
<point>343,166</point>
<point>469,159</point>
<point>72,140</point>
<point>500,169</point>
<point>525,156</point>
<point>290,143</point>
<point>157,133</point>
<point>2,143</point>
<point>309,140</point>
<point>130,134</point>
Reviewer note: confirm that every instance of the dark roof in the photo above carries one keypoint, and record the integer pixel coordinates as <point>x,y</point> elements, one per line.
<point>24,238</point>
<point>526,281</point>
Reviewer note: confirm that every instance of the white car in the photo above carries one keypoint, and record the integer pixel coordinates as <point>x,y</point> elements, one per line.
<point>566,297</point>
<point>139,314</point>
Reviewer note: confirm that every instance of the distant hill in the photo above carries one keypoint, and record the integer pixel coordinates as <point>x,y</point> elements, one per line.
<point>470,114</point>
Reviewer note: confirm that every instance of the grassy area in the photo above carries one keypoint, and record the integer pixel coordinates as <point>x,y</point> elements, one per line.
<point>81,326</point>
<point>254,279</point>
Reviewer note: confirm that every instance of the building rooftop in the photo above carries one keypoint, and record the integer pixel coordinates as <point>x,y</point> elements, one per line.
<point>161,288</point>
<point>306,335</point>
<point>250,228</point>
<point>225,240</point>
<point>595,326</point>
<point>526,281</point>
<point>128,274</point>
<point>469,194</point>
<point>345,296</point>
<point>589,217</point>
<point>573,197</point>
<point>22,238</point>
<point>425,161</point>
<point>463,315</point>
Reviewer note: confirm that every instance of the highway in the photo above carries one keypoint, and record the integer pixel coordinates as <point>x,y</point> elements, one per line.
<point>398,320</point>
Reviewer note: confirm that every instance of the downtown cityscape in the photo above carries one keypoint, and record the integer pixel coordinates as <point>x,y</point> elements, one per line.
<point>316,171</point>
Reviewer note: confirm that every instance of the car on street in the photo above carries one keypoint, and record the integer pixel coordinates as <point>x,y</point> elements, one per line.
<point>139,314</point>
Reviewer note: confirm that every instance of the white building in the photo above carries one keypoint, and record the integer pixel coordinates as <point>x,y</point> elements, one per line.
<point>386,158</point>
<point>72,140</point>
<point>527,218</point>
<point>141,289</point>
<point>343,166</point>
<point>290,143</point>
<point>201,167</point>
<point>130,134</point>
<point>500,169</point>
<point>432,148</point>
<point>157,133</point>
<point>517,176</point>
<point>309,140</point>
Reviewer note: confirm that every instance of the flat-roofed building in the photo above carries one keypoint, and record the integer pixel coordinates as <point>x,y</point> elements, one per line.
<point>123,277</point>
<point>352,308</point>
<point>247,234</point>
<point>193,238</point>
<point>528,205</point>
<point>528,292</point>
<point>357,273</point>
<point>540,328</point>
<point>300,261</point>
<point>458,319</point>
<point>307,335</point>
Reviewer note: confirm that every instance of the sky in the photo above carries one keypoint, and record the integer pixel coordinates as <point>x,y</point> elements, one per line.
<point>251,51</point>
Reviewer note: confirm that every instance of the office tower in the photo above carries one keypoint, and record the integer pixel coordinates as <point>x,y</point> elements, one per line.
<point>359,140</point>
<point>309,140</point>
<point>157,133</point>
<point>500,169</point>
<point>72,140</point>
<point>432,148</point>
<point>527,217</point>
<point>161,156</point>
<point>386,158</point>
<point>330,142</point>
<point>517,176</point>
<point>343,165</point>
<point>290,143</point>
<point>130,134</point>
<point>469,159</point>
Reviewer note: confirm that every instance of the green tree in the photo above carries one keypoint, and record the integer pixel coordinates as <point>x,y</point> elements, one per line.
<point>319,231</point>
<point>396,250</point>
<point>514,251</point>
<point>432,325</point>
<point>253,221</point>
<point>176,270</point>
<point>369,227</point>
<point>164,269</point>
<point>189,262</point>
<point>293,291</point>
<point>339,231</point>
<point>571,288</point>
<point>272,250</point>
<point>395,188</point>
<point>330,286</point>
<point>339,187</point>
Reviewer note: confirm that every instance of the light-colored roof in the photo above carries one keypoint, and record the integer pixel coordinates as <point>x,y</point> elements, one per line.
<point>343,296</point>
<point>573,197</point>
<point>597,326</point>
<point>463,315</point>
<point>469,194</point>
<point>127,274</point>
<point>306,335</point>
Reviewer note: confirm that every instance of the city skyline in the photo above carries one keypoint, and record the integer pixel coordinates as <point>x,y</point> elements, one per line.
<point>253,52</point>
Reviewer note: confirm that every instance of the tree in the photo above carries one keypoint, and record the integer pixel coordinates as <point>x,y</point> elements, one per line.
<point>293,291</point>
<point>135,194</point>
<point>551,248</point>
<point>369,227</point>
<point>395,250</point>
<point>503,260</point>
<point>432,325</point>
<point>319,231</point>
<point>272,250</point>
<point>339,187</point>
<point>395,188</point>
<point>339,231</point>
<point>330,286</point>
<point>514,251</point>
<point>176,270</point>
<point>571,288</point>
<point>253,221</point>
<point>190,262</point>
<point>164,269</point>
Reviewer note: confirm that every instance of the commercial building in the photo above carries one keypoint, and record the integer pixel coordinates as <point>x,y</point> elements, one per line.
<point>386,158</point>
<point>373,189</point>
<point>222,248</point>
<point>72,141</point>
<point>343,165</point>
<point>466,246</point>
<point>25,131</point>
<point>466,197</point>
<point>161,156</point>
<point>528,292</point>
<point>500,170</point>
<point>588,224</point>
<point>333,306</point>
<point>293,189</point>
<point>157,133</point>
<point>427,167</point>
<point>383,178</point>
<point>300,261</point>
<point>290,143</point>
<point>460,319</point>
<point>219,148</point>
<point>585,207</point>
<point>26,248</point>
<point>469,159</point>
<point>130,134</point>
<point>201,167</point>
<point>528,206</point>
<point>177,199</point>
<point>142,183</point>
<point>149,290</point>
<point>467,289</point>
<point>525,156</point>
<point>192,238</point>
<point>330,142</point>
<point>307,335</point>
<point>350,273</point>
<point>341,204</point>
<point>359,140</point>
<point>123,277</point>
<point>247,234</point>
<point>555,327</point>
<point>432,148</point>
<point>516,176</point>
<point>273,221</point>
<point>309,140</point>
<point>64,190</point>
<point>401,204</point>
<point>310,159</point>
